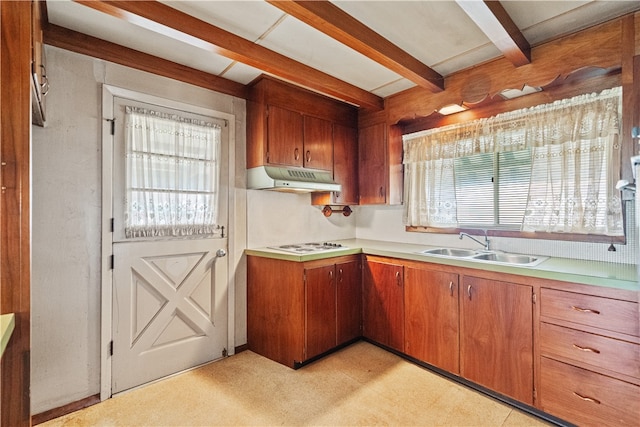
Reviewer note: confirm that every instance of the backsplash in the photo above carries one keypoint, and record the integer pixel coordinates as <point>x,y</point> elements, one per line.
<point>385,223</point>
<point>280,218</point>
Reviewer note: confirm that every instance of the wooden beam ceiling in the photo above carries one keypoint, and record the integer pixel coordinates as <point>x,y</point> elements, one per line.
<point>491,17</point>
<point>160,18</point>
<point>334,22</point>
<point>87,45</point>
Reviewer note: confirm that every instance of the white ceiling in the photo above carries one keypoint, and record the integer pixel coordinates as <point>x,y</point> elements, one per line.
<point>437,33</point>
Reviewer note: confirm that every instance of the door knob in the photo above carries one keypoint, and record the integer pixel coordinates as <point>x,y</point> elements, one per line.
<point>221,253</point>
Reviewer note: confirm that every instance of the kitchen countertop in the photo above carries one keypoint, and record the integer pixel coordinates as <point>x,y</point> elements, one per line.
<point>7,324</point>
<point>619,276</point>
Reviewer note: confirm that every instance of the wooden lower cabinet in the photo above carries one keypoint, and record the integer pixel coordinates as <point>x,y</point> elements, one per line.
<point>463,321</point>
<point>431,317</point>
<point>298,310</point>
<point>589,358</point>
<point>586,398</point>
<point>320,310</point>
<point>348,300</point>
<point>383,301</point>
<point>496,336</point>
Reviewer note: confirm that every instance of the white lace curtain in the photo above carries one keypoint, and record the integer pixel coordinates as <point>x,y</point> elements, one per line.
<point>172,175</point>
<point>572,142</point>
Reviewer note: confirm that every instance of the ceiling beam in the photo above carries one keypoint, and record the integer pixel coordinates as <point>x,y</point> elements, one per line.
<point>491,17</point>
<point>173,23</point>
<point>91,46</point>
<point>334,22</point>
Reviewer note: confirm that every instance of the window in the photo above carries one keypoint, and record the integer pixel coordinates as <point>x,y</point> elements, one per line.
<point>172,175</point>
<point>491,189</point>
<point>550,168</point>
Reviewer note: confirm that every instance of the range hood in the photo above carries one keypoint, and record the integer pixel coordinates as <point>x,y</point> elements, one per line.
<point>290,179</point>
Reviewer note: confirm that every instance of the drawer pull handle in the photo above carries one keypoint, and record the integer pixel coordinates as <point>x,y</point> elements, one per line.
<point>585,310</point>
<point>592,350</point>
<point>451,288</point>
<point>588,399</point>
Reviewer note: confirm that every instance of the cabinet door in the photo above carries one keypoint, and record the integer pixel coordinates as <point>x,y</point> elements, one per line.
<point>349,301</point>
<point>496,336</point>
<point>284,137</point>
<point>345,164</point>
<point>318,144</point>
<point>320,310</point>
<point>275,309</point>
<point>383,311</point>
<point>373,174</point>
<point>431,317</point>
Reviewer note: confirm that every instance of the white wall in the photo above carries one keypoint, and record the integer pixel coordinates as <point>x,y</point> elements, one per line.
<point>66,239</point>
<point>280,218</point>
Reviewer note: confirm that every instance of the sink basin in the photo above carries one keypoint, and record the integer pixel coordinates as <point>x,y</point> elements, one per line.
<point>509,258</point>
<point>488,257</point>
<point>452,252</point>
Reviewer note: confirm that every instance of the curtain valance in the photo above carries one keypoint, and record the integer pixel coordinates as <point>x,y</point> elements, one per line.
<point>582,117</point>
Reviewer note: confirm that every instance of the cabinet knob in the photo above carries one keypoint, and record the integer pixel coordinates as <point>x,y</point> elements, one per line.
<point>398,279</point>
<point>340,275</point>
<point>451,288</point>
<point>308,156</point>
<point>296,154</point>
<point>469,291</point>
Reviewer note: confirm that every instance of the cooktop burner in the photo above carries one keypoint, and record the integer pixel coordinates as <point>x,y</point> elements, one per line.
<point>301,248</point>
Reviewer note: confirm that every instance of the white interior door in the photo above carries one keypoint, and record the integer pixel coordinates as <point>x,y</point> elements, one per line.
<point>169,302</point>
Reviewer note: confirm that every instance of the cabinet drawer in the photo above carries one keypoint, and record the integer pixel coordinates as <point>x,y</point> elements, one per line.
<point>612,315</point>
<point>608,353</point>
<point>586,398</point>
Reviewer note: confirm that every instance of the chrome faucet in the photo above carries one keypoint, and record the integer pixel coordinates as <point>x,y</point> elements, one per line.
<point>486,239</point>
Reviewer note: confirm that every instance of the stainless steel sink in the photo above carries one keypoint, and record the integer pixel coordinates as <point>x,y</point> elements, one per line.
<point>508,258</point>
<point>488,257</point>
<point>451,252</point>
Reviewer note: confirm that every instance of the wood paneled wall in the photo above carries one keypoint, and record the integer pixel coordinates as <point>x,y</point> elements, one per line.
<point>15,129</point>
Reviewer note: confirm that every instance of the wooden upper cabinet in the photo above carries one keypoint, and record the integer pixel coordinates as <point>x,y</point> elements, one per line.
<point>345,164</point>
<point>496,336</point>
<point>345,168</point>
<point>318,143</point>
<point>284,137</point>
<point>290,126</point>
<point>380,163</point>
<point>372,164</point>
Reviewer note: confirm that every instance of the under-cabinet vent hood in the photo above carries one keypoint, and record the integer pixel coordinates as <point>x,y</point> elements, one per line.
<point>289,179</point>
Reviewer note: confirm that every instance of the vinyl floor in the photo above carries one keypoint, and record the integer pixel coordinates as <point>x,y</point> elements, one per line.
<point>361,385</point>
